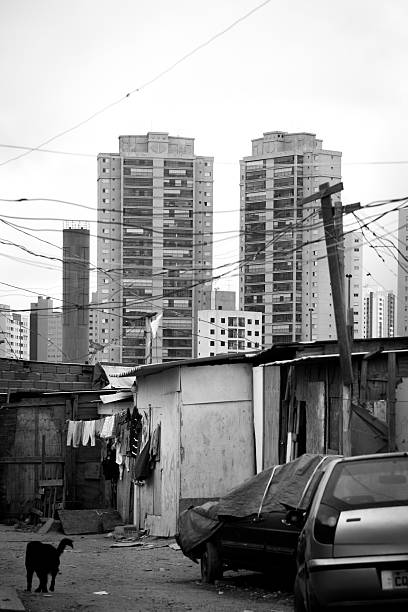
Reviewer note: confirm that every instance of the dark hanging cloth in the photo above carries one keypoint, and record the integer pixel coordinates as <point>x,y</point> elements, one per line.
<point>142,464</point>
<point>99,377</point>
<point>135,433</point>
<point>155,446</point>
<point>109,466</point>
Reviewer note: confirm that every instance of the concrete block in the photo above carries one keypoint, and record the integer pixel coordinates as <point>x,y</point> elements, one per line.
<point>71,378</point>
<point>52,386</point>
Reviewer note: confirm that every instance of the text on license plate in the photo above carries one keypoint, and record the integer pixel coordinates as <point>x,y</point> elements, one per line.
<point>394,579</point>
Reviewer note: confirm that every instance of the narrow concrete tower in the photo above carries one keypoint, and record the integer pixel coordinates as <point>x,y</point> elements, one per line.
<point>75,292</point>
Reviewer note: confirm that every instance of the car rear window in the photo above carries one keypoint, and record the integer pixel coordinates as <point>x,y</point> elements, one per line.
<point>365,483</point>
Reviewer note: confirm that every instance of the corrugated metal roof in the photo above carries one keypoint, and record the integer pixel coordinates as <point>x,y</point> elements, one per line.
<point>120,377</point>
<point>330,356</point>
<point>153,368</point>
<point>264,357</point>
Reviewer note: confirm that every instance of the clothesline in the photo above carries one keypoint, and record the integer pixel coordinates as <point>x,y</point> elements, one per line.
<point>83,431</point>
<point>127,442</point>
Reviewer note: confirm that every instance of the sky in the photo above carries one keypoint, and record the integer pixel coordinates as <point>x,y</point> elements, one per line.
<point>336,69</point>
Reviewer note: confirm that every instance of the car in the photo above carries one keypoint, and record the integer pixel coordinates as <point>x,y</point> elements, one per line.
<point>258,543</point>
<point>257,525</point>
<point>353,542</point>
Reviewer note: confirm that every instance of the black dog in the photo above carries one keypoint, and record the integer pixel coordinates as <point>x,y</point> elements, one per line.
<point>44,559</point>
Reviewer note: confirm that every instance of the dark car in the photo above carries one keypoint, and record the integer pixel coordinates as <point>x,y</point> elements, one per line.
<point>257,525</point>
<point>353,548</point>
<point>258,543</point>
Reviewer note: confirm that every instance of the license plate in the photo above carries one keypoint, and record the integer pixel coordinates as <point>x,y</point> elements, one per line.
<point>394,579</point>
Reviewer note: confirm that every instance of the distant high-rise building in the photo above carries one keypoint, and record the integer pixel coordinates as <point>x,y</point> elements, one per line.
<point>45,331</point>
<point>379,313</point>
<point>75,292</point>
<point>285,274</point>
<point>353,268</point>
<point>222,300</point>
<point>155,203</point>
<point>14,334</point>
<point>222,329</point>
<point>402,290</point>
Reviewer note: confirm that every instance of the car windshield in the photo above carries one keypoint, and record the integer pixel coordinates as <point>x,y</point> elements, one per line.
<point>382,481</point>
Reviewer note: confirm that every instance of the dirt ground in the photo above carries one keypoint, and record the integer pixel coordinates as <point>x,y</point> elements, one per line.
<point>152,577</point>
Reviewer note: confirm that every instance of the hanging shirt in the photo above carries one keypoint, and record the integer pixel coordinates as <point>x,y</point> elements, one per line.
<point>107,429</point>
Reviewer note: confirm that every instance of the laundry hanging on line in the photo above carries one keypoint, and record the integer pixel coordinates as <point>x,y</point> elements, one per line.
<point>126,434</point>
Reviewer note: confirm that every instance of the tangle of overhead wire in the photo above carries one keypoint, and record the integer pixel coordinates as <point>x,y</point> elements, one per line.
<point>239,263</point>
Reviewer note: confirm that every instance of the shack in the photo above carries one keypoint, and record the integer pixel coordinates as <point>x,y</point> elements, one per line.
<point>39,472</point>
<point>203,410</point>
<point>225,418</point>
<point>298,401</point>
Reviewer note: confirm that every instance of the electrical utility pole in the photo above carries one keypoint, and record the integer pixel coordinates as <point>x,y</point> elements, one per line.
<point>333,224</point>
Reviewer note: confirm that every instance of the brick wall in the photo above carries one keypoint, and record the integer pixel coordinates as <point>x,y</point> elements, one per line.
<point>19,375</point>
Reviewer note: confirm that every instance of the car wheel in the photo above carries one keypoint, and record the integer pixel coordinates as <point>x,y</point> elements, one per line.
<point>299,604</point>
<point>211,566</point>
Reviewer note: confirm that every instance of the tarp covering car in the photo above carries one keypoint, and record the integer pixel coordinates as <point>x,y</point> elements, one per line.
<point>272,490</point>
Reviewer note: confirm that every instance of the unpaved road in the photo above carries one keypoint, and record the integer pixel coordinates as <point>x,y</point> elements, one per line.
<point>136,579</point>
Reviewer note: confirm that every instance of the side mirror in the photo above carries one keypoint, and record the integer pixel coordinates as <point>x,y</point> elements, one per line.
<point>294,518</point>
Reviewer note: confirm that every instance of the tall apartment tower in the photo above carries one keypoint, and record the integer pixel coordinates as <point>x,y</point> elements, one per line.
<point>379,313</point>
<point>353,267</point>
<point>285,274</point>
<point>75,292</point>
<point>45,331</point>
<point>14,334</point>
<point>155,205</point>
<point>402,290</point>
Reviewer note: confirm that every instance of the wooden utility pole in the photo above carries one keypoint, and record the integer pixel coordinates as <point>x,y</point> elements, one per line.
<point>392,375</point>
<point>332,223</point>
<point>336,267</point>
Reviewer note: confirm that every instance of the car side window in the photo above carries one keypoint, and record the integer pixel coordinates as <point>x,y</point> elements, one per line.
<point>311,490</point>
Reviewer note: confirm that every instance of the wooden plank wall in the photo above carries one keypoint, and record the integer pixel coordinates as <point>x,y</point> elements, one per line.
<point>33,452</point>
<point>90,489</point>
<point>33,447</point>
<point>272,392</point>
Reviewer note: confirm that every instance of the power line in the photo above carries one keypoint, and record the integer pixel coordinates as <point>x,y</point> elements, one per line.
<point>215,162</point>
<point>237,264</point>
<point>144,85</point>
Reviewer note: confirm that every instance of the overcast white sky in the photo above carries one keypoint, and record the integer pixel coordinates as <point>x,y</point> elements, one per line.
<point>337,69</point>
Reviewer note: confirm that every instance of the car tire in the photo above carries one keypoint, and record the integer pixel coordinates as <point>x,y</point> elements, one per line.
<point>299,604</point>
<point>211,565</point>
